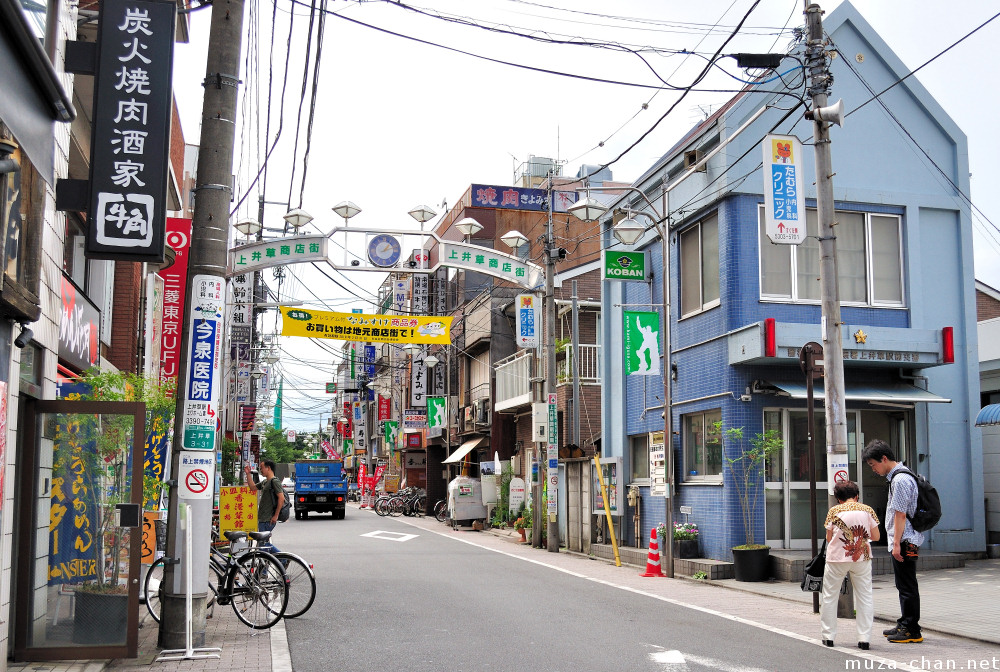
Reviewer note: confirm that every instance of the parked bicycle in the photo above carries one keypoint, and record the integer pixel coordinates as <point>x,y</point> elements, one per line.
<point>441,510</point>
<point>252,580</point>
<point>408,502</point>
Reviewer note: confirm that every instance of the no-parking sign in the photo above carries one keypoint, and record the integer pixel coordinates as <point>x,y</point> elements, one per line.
<point>197,475</point>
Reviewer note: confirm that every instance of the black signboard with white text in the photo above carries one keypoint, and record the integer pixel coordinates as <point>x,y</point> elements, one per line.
<point>131,140</point>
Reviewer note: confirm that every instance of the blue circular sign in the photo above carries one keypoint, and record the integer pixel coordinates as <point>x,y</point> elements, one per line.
<point>384,250</point>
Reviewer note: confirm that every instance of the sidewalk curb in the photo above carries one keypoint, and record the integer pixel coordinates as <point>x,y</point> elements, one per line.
<point>281,657</point>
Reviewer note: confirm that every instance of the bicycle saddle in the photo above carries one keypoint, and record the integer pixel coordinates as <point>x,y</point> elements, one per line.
<point>233,535</point>
<point>259,536</point>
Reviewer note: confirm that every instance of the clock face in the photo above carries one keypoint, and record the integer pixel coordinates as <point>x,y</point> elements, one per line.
<point>384,250</point>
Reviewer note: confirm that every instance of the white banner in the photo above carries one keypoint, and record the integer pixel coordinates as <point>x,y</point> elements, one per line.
<point>201,394</point>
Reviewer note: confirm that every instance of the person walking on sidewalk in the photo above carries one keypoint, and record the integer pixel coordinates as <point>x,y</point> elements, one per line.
<point>850,527</point>
<point>904,541</point>
<point>271,499</point>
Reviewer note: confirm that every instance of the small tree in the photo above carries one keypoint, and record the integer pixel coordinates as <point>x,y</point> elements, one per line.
<point>747,471</point>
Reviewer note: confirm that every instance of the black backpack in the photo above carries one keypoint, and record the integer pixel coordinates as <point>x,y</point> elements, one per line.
<point>286,509</point>
<point>928,502</point>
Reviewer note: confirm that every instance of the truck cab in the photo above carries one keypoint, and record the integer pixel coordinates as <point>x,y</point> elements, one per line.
<point>320,487</point>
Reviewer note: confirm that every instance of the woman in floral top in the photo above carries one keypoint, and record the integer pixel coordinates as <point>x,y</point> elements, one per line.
<point>850,527</point>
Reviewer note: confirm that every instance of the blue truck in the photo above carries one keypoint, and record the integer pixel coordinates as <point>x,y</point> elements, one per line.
<point>320,487</point>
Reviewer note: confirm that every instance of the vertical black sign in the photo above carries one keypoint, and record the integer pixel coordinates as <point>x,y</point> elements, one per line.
<point>130,147</point>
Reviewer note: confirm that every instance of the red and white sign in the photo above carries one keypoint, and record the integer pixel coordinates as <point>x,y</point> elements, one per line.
<point>178,237</point>
<point>384,408</point>
<point>197,475</point>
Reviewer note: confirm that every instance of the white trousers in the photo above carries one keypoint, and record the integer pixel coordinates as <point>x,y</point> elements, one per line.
<point>861,579</point>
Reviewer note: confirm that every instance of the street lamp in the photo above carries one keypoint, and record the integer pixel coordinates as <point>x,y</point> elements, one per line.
<point>346,209</point>
<point>248,227</point>
<point>629,230</point>
<point>430,361</point>
<point>514,239</point>
<point>469,227</point>
<point>297,218</point>
<point>422,213</point>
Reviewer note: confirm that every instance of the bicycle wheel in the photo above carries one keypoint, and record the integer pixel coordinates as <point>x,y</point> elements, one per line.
<point>441,510</point>
<point>396,506</point>
<point>301,584</point>
<point>258,589</point>
<point>151,587</point>
<point>381,507</point>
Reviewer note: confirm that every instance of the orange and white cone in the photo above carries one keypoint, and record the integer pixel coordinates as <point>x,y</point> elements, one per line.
<point>653,561</point>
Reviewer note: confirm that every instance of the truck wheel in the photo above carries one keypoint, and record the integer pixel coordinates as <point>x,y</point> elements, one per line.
<point>298,515</point>
<point>305,514</point>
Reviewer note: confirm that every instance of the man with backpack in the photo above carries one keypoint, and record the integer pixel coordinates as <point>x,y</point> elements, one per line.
<point>904,541</point>
<point>272,498</point>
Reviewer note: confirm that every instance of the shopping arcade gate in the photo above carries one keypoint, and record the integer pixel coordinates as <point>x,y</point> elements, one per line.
<point>383,253</point>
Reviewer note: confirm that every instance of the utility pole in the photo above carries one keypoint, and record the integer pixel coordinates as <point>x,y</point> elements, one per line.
<point>551,470</point>
<point>575,369</point>
<point>209,242</point>
<point>833,352</point>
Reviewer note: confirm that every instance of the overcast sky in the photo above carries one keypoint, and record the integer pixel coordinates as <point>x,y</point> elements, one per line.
<point>400,122</point>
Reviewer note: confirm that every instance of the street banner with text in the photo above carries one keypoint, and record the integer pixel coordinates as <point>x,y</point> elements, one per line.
<point>784,190</point>
<point>422,329</point>
<point>642,343</point>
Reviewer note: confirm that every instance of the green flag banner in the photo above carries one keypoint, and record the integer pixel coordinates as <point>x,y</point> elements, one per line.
<point>437,412</point>
<point>277,405</point>
<point>391,432</point>
<point>642,343</point>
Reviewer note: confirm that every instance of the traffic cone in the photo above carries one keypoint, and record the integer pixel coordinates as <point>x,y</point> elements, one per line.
<point>653,561</point>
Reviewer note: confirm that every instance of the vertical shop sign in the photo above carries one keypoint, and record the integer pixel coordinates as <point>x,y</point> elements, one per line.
<point>154,325</point>
<point>131,130</point>
<point>174,287</point>
<point>201,396</point>
<point>642,343</point>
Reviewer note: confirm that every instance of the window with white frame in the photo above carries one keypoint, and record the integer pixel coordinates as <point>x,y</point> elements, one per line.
<point>699,253</point>
<point>702,446</point>
<point>869,261</point>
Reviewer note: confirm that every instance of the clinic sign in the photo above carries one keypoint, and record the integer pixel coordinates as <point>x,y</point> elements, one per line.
<point>625,266</point>
<point>529,320</point>
<point>131,130</point>
<point>201,394</point>
<point>784,190</point>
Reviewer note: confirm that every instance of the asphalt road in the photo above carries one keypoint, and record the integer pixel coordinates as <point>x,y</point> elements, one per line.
<point>392,596</point>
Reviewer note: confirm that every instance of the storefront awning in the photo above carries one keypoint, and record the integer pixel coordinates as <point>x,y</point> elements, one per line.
<point>990,415</point>
<point>465,449</point>
<point>898,393</point>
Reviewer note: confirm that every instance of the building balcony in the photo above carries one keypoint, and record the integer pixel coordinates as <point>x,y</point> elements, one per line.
<point>590,365</point>
<point>513,381</point>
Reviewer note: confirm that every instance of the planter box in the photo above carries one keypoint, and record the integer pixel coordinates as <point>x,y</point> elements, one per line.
<point>100,618</point>
<point>686,549</point>
<point>751,565</point>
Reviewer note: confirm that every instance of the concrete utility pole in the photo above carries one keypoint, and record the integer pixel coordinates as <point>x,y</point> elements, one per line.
<point>209,243</point>
<point>833,350</point>
<point>550,369</point>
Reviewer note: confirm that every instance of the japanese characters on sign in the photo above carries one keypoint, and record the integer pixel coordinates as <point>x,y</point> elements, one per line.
<point>241,287</point>
<point>131,130</point>
<point>79,328</point>
<point>237,510</point>
<point>154,321</point>
<point>201,395</point>
<point>73,523</point>
<point>415,418</point>
<point>552,457</point>
<point>400,293</point>
<point>418,379</point>
<point>174,287</point>
<point>268,253</point>
<point>361,426</point>
<point>196,475</point>
<point>784,190</point>
<point>528,320</point>
<point>497,264</point>
<point>362,327</point>
<point>518,198</point>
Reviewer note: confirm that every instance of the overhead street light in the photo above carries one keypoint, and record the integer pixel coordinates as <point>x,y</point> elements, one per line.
<point>422,213</point>
<point>248,227</point>
<point>469,227</point>
<point>514,239</point>
<point>430,361</point>
<point>587,209</point>
<point>628,230</point>
<point>297,218</point>
<point>346,209</point>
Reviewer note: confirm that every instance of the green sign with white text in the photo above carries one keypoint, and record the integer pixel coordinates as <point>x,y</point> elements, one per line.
<point>625,266</point>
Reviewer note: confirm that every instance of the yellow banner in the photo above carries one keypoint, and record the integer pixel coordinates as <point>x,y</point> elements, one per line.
<point>421,329</point>
<point>237,510</point>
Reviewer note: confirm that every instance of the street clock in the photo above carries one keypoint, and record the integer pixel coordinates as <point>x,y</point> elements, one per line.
<point>384,250</point>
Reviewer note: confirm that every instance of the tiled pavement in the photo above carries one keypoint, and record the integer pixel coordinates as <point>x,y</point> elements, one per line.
<point>960,612</point>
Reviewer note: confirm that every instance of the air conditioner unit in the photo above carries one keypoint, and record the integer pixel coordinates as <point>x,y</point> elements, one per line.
<point>468,413</point>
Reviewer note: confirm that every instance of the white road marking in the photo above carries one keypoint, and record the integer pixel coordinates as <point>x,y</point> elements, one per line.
<point>667,657</point>
<point>390,536</point>
<point>887,663</point>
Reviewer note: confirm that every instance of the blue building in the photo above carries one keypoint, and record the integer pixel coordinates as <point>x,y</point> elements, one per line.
<point>741,307</point>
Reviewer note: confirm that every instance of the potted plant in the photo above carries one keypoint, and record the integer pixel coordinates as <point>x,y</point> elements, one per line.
<point>685,540</point>
<point>522,525</point>
<point>745,459</point>
<point>93,459</point>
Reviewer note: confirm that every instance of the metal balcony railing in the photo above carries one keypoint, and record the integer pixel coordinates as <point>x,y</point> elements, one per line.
<point>513,378</point>
<point>590,365</point>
